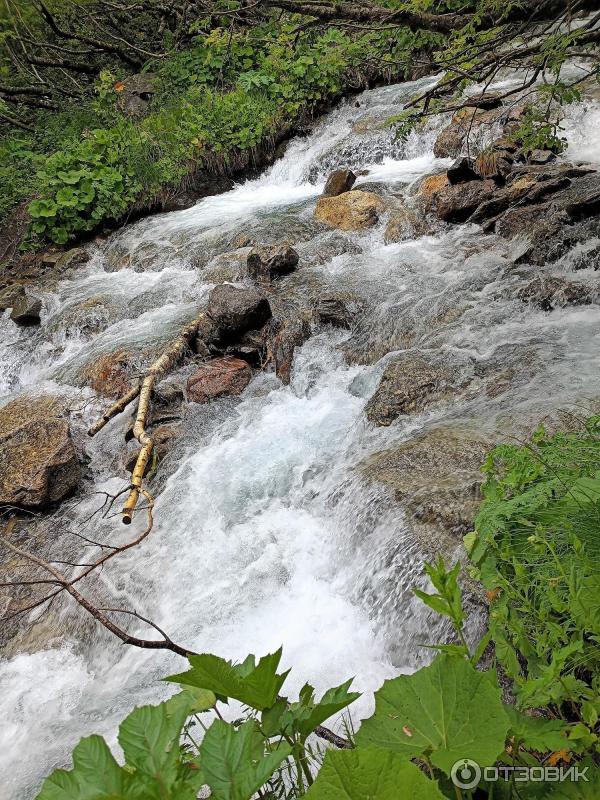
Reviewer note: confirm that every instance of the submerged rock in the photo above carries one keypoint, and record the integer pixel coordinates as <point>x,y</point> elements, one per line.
<point>26,310</point>
<point>340,181</point>
<point>218,378</point>
<point>10,295</point>
<point>414,381</point>
<point>235,310</point>
<point>404,223</point>
<point>333,311</point>
<point>39,462</point>
<point>350,211</point>
<point>163,437</point>
<point>271,262</point>
<point>547,293</point>
<point>290,334</point>
<point>437,475</point>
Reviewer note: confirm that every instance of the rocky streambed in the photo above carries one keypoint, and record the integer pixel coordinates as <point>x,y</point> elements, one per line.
<point>378,314</point>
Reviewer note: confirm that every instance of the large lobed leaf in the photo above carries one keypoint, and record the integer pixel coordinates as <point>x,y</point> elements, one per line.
<point>448,710</point>
<point>371,774</point>
<point>234,762</point>
<point>256,685</point>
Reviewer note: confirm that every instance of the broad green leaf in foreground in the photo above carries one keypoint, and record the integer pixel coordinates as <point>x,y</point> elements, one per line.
<point>256,685</point>
<point>150,736</point>
<point>234,763</point>
<point>448,710</point>
<point>371,774</point>
<point>95,775</point>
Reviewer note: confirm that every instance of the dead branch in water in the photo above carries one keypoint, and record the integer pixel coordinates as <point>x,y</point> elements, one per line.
<point>100,614</point>
<point>165,362</point>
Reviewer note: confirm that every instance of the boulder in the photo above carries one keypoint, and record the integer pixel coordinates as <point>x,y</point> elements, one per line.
<point>39,462</point>
<point>235,310</point>
<point>135,93</point>
<point>414,381</point>
<point>251,347</point>
<point>581,197</point>
<point>75,257</point>
<point>404,223</point>
<point>10,295</point>
<point>436,475</point>
<point>26,310</point>
<point>271,262</point>
<point>218,378</point>
<point>541,157</point>
<point>547,293</point>
<point>457,203</point>
<point>340,181</point>
<point>291,333</point>
<point>333,311</point>
<point>350,211</point>
<point>433,184</point>
<point>465,121</point>
<point>461,171</point>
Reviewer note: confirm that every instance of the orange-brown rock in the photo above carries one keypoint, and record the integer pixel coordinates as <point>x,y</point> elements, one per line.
<point>350,211</point>
<point>218,378</point>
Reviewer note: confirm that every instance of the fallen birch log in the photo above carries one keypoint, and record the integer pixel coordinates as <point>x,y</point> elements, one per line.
<point>163,364</point>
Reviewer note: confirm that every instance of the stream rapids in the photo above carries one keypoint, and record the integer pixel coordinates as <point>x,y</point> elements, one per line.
<point>268,531</point>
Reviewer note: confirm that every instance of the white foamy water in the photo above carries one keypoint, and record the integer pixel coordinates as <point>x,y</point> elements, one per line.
<point>267,531</point>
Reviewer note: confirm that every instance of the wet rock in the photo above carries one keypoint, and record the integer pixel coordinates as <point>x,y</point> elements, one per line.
<point>218,378</point>
<point>269,263</point>
<point>168,394</point>
<point>465,122</point>
<point>290,334</point>
<point>541,157</point>
<point>163,437</point>
<point>110,374</point>
<point>235,310</point>
<point>581,198</point>
<point>75,257</point>
<point>461,171</point>
<point>436,475</point>
<point>340,181</point>
<point>351,211</point>
<point>457,203</point>
<point>39,462</point>
<point>10,295</point>
<point>252,348</point>
<point>26,310</point>
<point>433,184</point>
<point>333,311</point>
<point>135,94</point>
<point>547,293</point>
<point>404,223</point>
<point>414,381</point>
<point>228,267</point>
<point>522,219</point>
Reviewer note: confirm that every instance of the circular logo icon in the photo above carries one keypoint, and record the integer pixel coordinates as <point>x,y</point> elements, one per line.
<point>465,773</point>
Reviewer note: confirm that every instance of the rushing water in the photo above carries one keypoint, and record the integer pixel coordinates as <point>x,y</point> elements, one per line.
<point>266,532</point>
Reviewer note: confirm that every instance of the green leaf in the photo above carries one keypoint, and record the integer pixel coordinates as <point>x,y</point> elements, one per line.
<point>67,197</point>
<point>150,735</point>
<point>234,762</point>
<point>303,717</point>
<point>448,709</point>
<point>535,732</point>
<point>95,775</point>
<point>256,685</point>
<point>371,774</point>
<point>42,208</point>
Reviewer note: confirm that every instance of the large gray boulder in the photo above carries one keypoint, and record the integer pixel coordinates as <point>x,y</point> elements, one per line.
<point>236,310</point>
<point>39,462</point>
